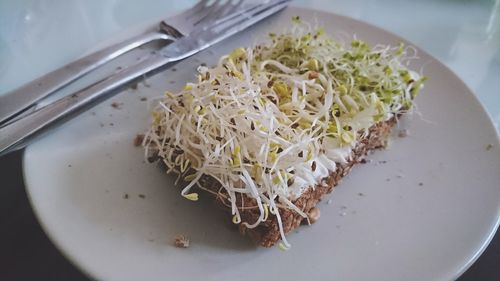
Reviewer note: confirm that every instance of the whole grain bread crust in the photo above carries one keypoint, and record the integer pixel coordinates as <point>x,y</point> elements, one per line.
<point>267,233</point>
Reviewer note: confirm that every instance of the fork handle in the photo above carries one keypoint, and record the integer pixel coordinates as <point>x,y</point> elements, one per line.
<point>25,96</point>
<point>15,134</point>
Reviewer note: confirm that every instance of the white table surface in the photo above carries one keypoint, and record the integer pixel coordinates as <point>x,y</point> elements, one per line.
<point>37,36</point>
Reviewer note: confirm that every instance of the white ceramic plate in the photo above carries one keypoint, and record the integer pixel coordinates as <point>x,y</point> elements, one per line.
<point>423,210</point>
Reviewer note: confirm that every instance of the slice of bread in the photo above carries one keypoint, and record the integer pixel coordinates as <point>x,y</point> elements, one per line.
<point>271,129</point>
<point>267,233</point>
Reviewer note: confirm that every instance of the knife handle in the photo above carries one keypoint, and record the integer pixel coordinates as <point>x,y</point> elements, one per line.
<point>15,134</point>
<point>25,96</point>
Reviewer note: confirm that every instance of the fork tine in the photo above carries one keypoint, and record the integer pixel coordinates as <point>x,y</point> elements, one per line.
<point>182,24</point>
<point>202,38</point>
<point>197,8</point>
<point>228,8</point>
<point>233,20</point>
<point>204,13</point>
<point>233,11</point>
<point>211,13</point>
<point>238,13</point>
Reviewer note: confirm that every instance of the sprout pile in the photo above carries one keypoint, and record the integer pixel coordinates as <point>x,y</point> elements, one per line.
<point>271,121</point>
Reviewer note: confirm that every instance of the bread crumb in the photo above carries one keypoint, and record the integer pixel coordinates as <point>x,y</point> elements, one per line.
<point>313,215</point>
<point>403,133</point>
<point>181,241</point>
<point>145,82</point>
<point>117,105</point>
<point>138,139</point>
<point>365,160</point>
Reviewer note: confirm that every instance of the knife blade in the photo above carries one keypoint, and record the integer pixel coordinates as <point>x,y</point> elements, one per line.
<point>15,135</point>
<point>23,99</point>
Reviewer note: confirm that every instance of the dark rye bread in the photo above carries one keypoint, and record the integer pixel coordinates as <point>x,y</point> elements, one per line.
<point>267,233</point>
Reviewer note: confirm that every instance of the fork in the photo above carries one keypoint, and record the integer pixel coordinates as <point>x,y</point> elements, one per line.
<point>16,134</point>
<point>25,97</point>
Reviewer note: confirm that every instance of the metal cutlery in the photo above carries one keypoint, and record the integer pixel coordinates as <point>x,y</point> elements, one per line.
<point>170,28</point>
<point>14,134</point>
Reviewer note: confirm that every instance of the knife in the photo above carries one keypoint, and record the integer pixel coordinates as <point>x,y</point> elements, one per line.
<point>15,135</point>
<point>173,27</point>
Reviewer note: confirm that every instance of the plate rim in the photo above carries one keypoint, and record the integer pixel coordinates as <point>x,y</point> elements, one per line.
<point>463,268</point>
